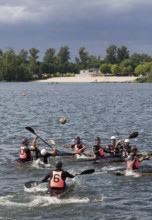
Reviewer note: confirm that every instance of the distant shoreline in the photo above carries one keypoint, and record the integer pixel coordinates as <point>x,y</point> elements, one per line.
<point>90,79</point>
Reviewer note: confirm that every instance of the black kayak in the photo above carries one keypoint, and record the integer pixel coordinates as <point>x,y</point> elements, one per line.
<point>110,159</point>
<point>105,159</point>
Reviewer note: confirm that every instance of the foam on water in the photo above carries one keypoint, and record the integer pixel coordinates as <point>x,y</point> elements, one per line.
<point>132,173</point>
<point>40,201</point>
<point>39,188</point>
<point>111,168</point>
<point>39,164</point>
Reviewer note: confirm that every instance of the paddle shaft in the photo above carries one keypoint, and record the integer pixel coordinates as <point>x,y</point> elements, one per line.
<point>32,131</point>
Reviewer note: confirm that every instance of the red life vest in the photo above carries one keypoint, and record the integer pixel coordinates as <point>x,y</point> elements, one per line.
<point>23,154</point>
<point>136,164</point>
<point>56,180</point>
<point>76,149</point>
<point>101,152</point>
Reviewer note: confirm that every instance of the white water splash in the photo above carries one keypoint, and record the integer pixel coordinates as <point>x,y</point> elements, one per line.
<point>39,188</point>
<point>39,164</point>
<point>40,201</point>
<point>132,173</point>
<point>100,199</point>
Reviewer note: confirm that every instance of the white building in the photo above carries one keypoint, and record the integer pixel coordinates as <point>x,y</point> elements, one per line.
<point>90,72</point>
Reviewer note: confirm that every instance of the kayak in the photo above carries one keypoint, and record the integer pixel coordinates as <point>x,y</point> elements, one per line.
<point>63,153</point>
<point>110,159</point>
<point>58,193</point>
<point>144,171</point>
<point>105,159</point>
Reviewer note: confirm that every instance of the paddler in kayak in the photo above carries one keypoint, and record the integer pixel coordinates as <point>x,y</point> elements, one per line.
<point>78,147</point>
<point>57,178</point>
<point>44,155</point>
<point>25,154</point>
<point>133,160</point>
<point>98,150</point>
<point>111,148</point>
<point>123,147</point>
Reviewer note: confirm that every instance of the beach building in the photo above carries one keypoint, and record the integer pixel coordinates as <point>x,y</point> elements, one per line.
<point>90,72</point>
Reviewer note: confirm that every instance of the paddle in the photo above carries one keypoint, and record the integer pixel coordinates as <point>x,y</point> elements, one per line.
<point>59,153</point>
<point>89,171</point>
<point>35,183</point>
<point>32,131</point>
<point>133,135</point>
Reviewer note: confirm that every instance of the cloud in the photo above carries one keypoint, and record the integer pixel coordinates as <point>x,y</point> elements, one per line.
<point>90,23</point>
<point>38,11</point>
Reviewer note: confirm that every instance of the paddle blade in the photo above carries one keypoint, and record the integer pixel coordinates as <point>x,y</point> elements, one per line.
<point>89,171</point>
<point>31,184</point>
<point>133,135</point>
<point>30,129</point>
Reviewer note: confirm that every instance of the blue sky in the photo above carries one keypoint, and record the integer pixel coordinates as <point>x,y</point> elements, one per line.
<point>94,24</point>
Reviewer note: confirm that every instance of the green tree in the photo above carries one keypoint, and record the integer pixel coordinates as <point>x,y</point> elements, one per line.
<point>137,59</point>
<point>111,56</point>
<point>49,61</point>
<point>23,73</point>
<point>115,69</point>
<point>146,68</point>
<point>9,65</point>
<point>127,70</point>
<point>83,59</point>
<point>33,63</point>
<point>1,67</point>
<point>94,61</point>
<point>63,58</point>
<point>122,54</point>
<point>105,68</point>
<point>23,56</point>
<point>50,56</point>
<point>138,70</point>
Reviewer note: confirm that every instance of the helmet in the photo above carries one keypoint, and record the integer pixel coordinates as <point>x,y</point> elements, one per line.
<point>43,152</point>
<point>113,138</point>
<point>25,141</point>
<point>58,164</point>
<point>126,141</point>
<point>97,139</point>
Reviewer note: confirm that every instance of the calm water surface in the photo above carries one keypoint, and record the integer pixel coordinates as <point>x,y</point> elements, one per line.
<point>92,109</point>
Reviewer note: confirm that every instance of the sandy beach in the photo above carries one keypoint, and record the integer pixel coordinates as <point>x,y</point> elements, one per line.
<point>90,79</point>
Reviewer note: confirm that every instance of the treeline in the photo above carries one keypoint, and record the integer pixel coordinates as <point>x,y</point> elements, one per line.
<point>26,65</point>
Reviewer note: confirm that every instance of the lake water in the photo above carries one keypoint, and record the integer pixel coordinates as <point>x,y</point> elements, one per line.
<point>91,109</point>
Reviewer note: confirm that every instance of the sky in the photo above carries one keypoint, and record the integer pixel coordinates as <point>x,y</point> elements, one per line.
<point>93,24</point>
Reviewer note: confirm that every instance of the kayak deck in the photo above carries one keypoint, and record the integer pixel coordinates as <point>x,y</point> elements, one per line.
<point>60,193</point>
